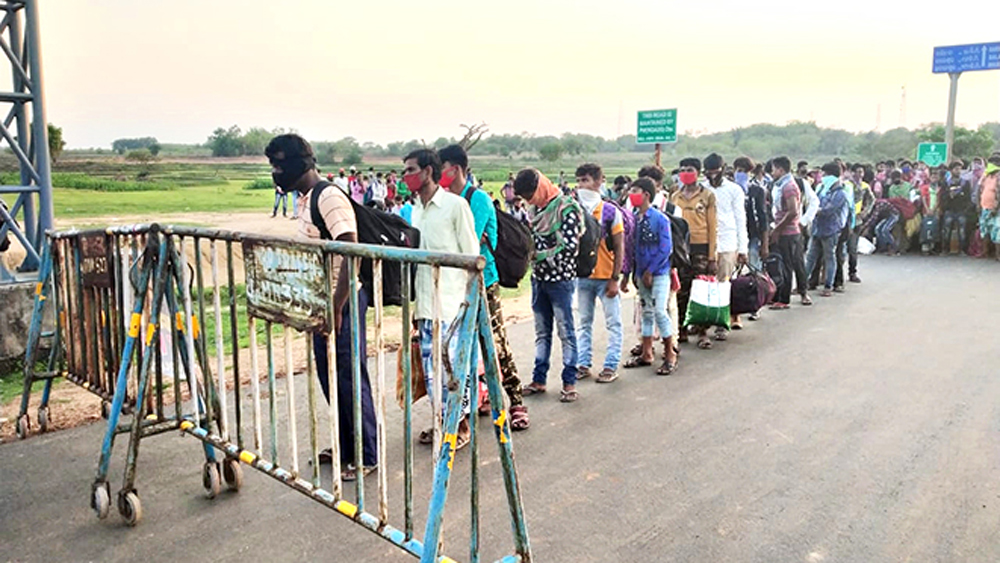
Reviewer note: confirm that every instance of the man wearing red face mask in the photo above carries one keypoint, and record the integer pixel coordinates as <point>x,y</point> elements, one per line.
<point>446,225</point>
<point>697,205</point>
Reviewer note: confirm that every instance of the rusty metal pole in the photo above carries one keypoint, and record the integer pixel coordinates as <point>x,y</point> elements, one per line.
<point>657,154</point>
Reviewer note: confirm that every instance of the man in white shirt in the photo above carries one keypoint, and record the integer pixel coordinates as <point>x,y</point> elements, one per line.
<point>341,182</point>
<point>446,225</point>
<point>731,232</point>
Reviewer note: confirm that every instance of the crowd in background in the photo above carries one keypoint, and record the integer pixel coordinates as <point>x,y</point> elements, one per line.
<point>658,235</point>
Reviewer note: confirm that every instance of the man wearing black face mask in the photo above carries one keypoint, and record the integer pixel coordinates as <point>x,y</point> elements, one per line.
<point>293,168</point>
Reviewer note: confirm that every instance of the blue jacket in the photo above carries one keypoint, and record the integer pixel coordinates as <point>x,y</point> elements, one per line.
<point>834,209</point>
<point>653,244</point>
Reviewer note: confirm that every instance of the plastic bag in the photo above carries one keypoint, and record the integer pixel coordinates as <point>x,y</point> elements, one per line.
<point>709,303</point>
<point>865,246</point>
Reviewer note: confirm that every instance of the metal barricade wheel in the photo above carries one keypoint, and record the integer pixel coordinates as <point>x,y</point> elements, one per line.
<point>233,474</point>
<point>210,479</point>
<point>130,508</point>
<point>101,500</point>
<point>43,419</point>
<point>23,426</point>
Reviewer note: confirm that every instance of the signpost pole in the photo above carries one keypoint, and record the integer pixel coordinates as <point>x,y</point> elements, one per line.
<point>657,157</point>
<point>949,134</point>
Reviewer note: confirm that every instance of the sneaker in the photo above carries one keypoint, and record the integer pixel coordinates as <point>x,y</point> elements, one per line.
<point>754,316</point>
<point>855,279</point>
<point>826,292</point>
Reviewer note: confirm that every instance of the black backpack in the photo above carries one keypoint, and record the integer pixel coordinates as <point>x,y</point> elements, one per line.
<point>514,247</point>
<point>680,238</point>
<point>376,227</point>
<point>774,265</point>
<point>586,256</point>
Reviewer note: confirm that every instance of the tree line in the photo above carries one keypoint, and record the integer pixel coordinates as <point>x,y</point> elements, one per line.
<point>760,141</point>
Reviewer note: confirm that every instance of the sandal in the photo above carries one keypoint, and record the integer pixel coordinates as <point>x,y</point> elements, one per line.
<point>722,335</point>
<point>778,306</point>
<point>704,343</point>
<point>582,372</point>
<point>532,389</point>
<point>607,376</point>
<point>426,437</point>
<point>568,396</point>
<point>519,418</point>
<point>351,473</point>
<point>485,409</point>
<point>637,362</point>
<point>636,350</point>
<point>806,300</point>
<point>667,368</point>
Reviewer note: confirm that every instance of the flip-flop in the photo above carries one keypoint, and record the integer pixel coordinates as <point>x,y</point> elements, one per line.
<point>607,376</point>
<point>637,362</point>
<point>667,368</point>
<point>532,389</point>
<point>582,372</point>
<point>636,350</point>
<point>568,396</point>
<point>351,473</point>
<point>807,301</point>
<point>426,437</point>
<point>704,344</point>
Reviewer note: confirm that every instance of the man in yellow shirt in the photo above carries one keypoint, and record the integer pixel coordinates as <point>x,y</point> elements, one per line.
<point>697,205</point>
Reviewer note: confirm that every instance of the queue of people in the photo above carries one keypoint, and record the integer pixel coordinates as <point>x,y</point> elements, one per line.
<point>656,234</point>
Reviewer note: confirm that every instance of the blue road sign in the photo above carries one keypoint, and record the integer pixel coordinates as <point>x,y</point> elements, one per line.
<point>964,58</point>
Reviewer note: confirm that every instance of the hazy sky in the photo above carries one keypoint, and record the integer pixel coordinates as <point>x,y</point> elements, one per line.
<point>396,70</point>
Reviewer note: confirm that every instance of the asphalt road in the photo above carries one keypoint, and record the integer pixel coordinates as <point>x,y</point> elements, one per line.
<point>861,429</point>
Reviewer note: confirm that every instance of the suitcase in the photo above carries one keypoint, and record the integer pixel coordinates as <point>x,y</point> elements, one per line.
<point>930,230</point>
<point>749,292</point>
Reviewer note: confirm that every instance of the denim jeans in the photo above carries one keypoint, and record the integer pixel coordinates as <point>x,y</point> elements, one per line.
<point>959,221</point>
<point>345,386</point>
<point>825,247</point>
<point>553,302</point>
<point>426,328</point>
<point>587,292</point>
<point>282,199</point>
<point>654,303</point>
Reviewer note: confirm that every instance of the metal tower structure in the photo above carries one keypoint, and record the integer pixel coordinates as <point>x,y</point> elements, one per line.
<point>24,131</point>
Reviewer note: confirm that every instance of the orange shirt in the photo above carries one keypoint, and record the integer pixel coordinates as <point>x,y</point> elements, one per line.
<point>605,267</point>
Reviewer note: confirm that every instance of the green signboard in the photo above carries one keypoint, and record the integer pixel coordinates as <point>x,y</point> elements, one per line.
<point>932,154</point>
<point>657,126</point>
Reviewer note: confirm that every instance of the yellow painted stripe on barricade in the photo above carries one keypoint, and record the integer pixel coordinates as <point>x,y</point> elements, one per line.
<point>499,422</point>
<point>150,332</point>
<point>247,457</point>
<point>38,288</point>
<point>195,329</point>
<point>41,298</point>
<point>187,425</point>
<point>451,440</point>
<point>180,322</point>
<point>346,508</point>
<point>133,327</point>
<point>447,560</point>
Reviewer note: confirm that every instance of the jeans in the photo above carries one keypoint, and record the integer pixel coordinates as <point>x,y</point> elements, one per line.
<point>959,221</point>
<point>283,200</point>
<point>753,257</point>
<point>295,205</point>
<point>553,302</point>
<point>824,247</point>
<point>654,303</point>
<point>345,387</point>
<point>587,292</point>
<point>790,249</point>
<point>852,253</point>
<point>843,246</point>
<point>426,328</point>
<point>883,232</point>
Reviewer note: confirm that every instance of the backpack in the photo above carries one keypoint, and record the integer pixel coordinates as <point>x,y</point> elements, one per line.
<point>380,228</point>
<point>514,247</point>
<point>628,220</point>
<point>680,235</point>
<point>586,256</point>
<point>774,266</point>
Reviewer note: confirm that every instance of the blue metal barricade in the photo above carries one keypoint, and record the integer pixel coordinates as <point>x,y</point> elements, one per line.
<point>283,293</point>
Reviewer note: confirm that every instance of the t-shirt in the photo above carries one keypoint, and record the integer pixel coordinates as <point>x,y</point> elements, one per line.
<point>484,216</point>
<point>337,213</point>
<point>593,204</point>
<point>787,188</point>
<point>700,213</point>
<point>900,190</point>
